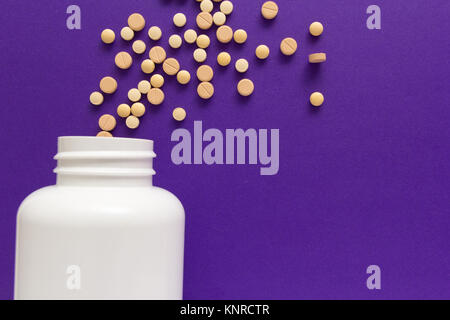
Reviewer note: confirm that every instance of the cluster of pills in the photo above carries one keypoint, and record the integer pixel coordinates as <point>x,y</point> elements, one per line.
<point>131,112</point>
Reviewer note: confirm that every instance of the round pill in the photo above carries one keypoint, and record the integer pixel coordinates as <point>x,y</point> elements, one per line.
<point>245,87</point>
<point>226,7</point>
<point>241,65</point>
<point>223,59</point>
<point>104,134</point>
<point>123,60</point>
<point>203,41</point>
<point>179,20</point>
<point>288,46</point>
<point>317,57</point>
<point>96,98</point>
<point>316,99</point>
<point>123,110</point>
<point>155,33</point>
<point>171,66</point>
<point>269,10</point>
<point>190,36</point>
<point>183,77</point>
<point>108,85</point>
<point>205,73</point>
<point>157,81</point>
<point>240,36</point>
<point>316,29</point>
<point>219,18</point>
<point>205,90</point>
<point>175,41</point>
<point>136,22</point>
<point>179,114</point>
<point>138,109</point>
<point>157,54</point>
<point>134,95</point>
<point>147,66</point>
<point>107,122</point>
<point>206,6</point>
<point>204,20</point>
<point>200,55</point>
<point>127,33</point>
<point>132,122</point>
<point>108,36</point>
<point>224,34</point>
<point>155,96</point>
<point>139,46</point>
<point>262,51</point>
<point>144,86</point>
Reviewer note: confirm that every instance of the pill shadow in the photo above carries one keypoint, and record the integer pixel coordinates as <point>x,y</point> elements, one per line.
<point>283,59</point>
<point>266,23</point>
<point>311,72</point>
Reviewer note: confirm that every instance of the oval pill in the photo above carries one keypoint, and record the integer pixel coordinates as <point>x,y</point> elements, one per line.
<point>179,20</point>
<point>136,22</point>
<point>205,73</point>
<point>190,36</point>
<point>224,34</point>
<point>123,110</point>
<point>179,114</point>
<point>205,90</point>
<point>157,81</point>
<point>123,60</point>
<point>241,65</point>
<point>147,66</point>
<point>262,52</point>
<point>132,122</point>
<point>288,46</point>
<point>138,109</point>
<point>155,96</point>
<point>104,134</point>
<point>200,55</point>
<point>203,41</point>
<point>175,41</point>
<point>206,6</point>
<point>317,57</point>
<point>96,98</point>
<point>108,85</point>
<point>226,7</point>
<point>154,33</point>
<point>245,87</point>
<point>316,29</point>
<point>107,122</point>
<point>127,33</point>
<point>157,54</point>
<point>134,95</point>
<point>108,36</point>
<point>240,36</point>
<point>139,46</point>
<point>171,66</point>
<point>183,77</point>
<point>204,20</point>
<point>219,18</point>
<point>269,10</point>
<point>144,86</point>
<point>223,59</point>
<point>316,99</point>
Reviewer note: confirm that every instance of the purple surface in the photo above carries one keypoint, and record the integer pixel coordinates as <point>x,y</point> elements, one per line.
<point>364,180</point>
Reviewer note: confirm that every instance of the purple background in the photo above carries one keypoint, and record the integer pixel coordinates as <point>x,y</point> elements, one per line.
<point>363,180</point>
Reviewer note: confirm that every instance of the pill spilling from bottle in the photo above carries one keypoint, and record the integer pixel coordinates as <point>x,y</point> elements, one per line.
<point>151,86</point>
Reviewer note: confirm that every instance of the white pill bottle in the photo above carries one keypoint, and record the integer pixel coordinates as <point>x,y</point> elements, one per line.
<point>103,231</point>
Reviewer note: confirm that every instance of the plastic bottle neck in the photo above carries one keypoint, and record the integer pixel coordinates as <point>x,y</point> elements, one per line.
<point>108,162</point>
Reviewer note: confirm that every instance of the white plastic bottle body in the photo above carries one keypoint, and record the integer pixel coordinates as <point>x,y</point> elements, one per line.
<point>116,241</point>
